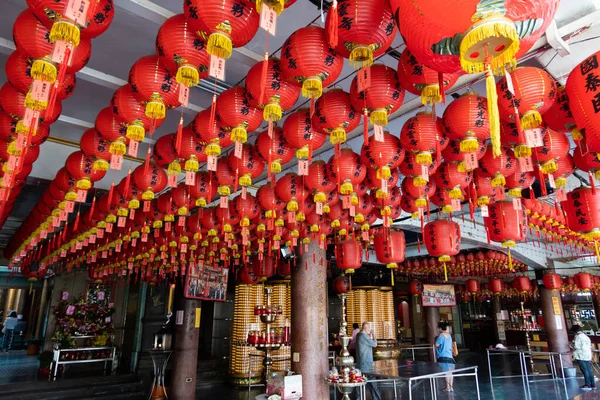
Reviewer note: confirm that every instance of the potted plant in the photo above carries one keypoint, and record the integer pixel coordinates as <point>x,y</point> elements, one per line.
<point>45,358</point>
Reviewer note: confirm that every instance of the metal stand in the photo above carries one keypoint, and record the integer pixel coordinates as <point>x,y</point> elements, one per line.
<point>160,359</point>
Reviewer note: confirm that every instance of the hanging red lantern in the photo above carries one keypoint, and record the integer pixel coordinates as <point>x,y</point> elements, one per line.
<point>191,150</point>
<point>318,182</point>
<point>223,24</point>
<point>560,117</point>
<point>420,193</point>
<point>249,166</point>
<point>8,130</point>
<point>94,145</point>
<point>564,169</point>
<point>419,79</point>
<point>204,188</point>
<point>154,87</point>
<point>556,145</point>
<point>365,31</point>
<point>585,161</point>
<point>441,198</point>
<point>584,281</point>
<point>496,285</point>
<point>335,115</point>
<point>584,96</point>
<point>383,96</point>
<point>215,137</point>
<point>348,256</point>
<point>522,284</point>
<point>273,96</point>
<point>181,51</point>
<point>12,102</point>
<point>225,177</point>
<point>347,170</point>
<point>290,189</point>
<point>300,135</point>
<point>263,267</point>
<point>273,148</point>
<point>582,208</point>
<point>442,240</point>
<point>498,167</point>
<point>452,153</point>
<point>466,119</point>
<point>472,286</point>
<point>415,288</point>
<point>518,181</point>
<point>246,276</point>
<point>451,178</point>
<point>150,179</point>
<point>81,168</point>
<point>383,155</point>
<point>341,284</point>
<point>307,58</point>
<point>268,200</point>
<point>423,135</point>
<point>165,155</point>
<point>247,208</point>
<point>131,113</point>
<point>236,113</point>
<point>552,281</point>
<point>534,93</point>
<point>505,224</point>
<point>390,248</point>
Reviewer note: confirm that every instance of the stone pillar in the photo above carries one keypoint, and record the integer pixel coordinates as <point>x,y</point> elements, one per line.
<point>554,321</point>
<point>39,325</point>
<point>309,321</point>
<point>10,302</point>
<point>185,354</point>
<point>496,309</point>
<point>432,319</point>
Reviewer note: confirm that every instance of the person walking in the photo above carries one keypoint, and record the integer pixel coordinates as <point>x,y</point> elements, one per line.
<point>9,329</point>
<point>443,352</point>
<point>582,352</point>
<point>365,342</point>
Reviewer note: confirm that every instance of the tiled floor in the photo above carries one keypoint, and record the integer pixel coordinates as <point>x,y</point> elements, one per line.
<point>17,366</point>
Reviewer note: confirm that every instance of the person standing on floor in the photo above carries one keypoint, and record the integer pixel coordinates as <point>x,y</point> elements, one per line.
<point>582,352</point>
<point>9,329</point>
<point>365,342</point>
<point>443,352</point>
<point>352,344</point>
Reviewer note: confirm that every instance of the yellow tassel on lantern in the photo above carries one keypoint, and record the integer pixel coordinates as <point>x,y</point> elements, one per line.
<point>276,166</point>
<point>337,136</point>
<point>275,5</point>
<point>201,202</point>
<point>483,201</point>
<point>302,153</point>
<point>431,94</point>
<point>84,184</point>
<point>182,211</point>
<point>424,158</point>
<point>445,272</point>
<point>174,168</point>
<point>365,227</point>
<point>522,150</point>
<point>576,134</point>
<point>379,117</point>
<point>531,119</point>
<point>314,228</point>
<point>71,196</point>
<point>346,188</point>
<point>493,113</point>
<point>155,108</point>
<point>447,208</point>
<point>273,111</point>
<point>455,193</point>
<point>239,134</point>
<point>300,217</point>
<point>419,181</point>
<point>380,194</point>
<point>385,211</point>
<point>219,43</point>
<point>245,180</point>
<point>100,165</point>
<point>122,212</point>
<point>361,56</point>
<point>187,75</point>
<point>135,131</point>
<point>169,218</point>
<point>420,202</point>
<point>192,164</point>
<point>118,147</point>
<point>498,180</point>
<point>384,172</point>
<point>21,129</point>
<point>549,167</point>
<point>12,149</point>
<point>279,222</point>
<point>213,149</point>
<point>224,191</point>
<point>312,88</point>
<point>134,204</point>
<point>292,205</point>
<point>469,145</point>
<point>148,195</point>
<point>320,197</point>
<point>514,192</point>
<point>43,70</point>
<point>560,182</point>
<point>35,105</point>
<point>359,218</point>
<point>65,31</point>
<point>510,264</point>
<point>335,223</point>
<point>354,199</point>
<point>227,228</point>
<point>392,273</point>
<point>326,208</point>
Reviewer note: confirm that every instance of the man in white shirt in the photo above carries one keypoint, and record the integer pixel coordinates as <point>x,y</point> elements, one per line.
<point>582,352</point>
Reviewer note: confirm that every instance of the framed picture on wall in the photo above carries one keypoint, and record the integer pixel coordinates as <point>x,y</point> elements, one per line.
<point>206,283</point>
<point>99,293</point>
<point>438,296</point>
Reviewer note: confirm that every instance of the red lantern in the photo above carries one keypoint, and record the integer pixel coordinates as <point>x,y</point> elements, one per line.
<point>273,96</point>
<point>505,224</point>
<point>383,96</point>
<point>416,288</point>
<point>236,113</point>
<point>131,113</point>
<point>452,153</point>
<point>289,189</point>
<point>450,177</point>
<point>249,166</point>
<point>181,51</point>
<point>472,286</point>
<point>284,268</point>
<point>215,137</point>
<point>300,135</point>
<point>582,209</point>
<point>307,58</point>
<point>13,103</point>
<point>225,177</point>
<point>584,281</point>
<point>584,99</point>
<point>348,256</point>
<point>204,188</point>
<point>8,130</point>
<point>383,155</point>
<point>269,201</point>
<point>335,115</point>
<point>496,285</point>
<point>441,198</point>
<point>560,117</point>
<point>224,24</point>
<point>317,181</point>
<point>442,239</point>
<point>466,119</point>
<point>519,181</point>
<point>556,145</point>
<point>347,170</point>
<point>341,284</point>
<point>552,281</point>
<point>522,284</point>
<point>82,169</point>
<point>154,86</point>
<point>150,179</point>
<point>390,248</point>
<point>534,93</point>
<point>418,192</point>
<point>191,150</point>
<point>273,149</point>
<point>94,145</point>
<point>422,135</point>
<point>419,79</point>
<point>564,169</point>
<point>498,167</point>
<point>247,208</point>
<point>246,276</point>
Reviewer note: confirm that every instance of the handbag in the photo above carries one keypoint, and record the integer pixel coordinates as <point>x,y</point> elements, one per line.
<point>454,349</point>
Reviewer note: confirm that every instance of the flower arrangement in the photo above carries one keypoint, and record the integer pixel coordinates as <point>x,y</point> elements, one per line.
<point>82,318</point>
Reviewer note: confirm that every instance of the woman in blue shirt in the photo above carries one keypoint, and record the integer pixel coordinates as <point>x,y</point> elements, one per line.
<point>443,351</point>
